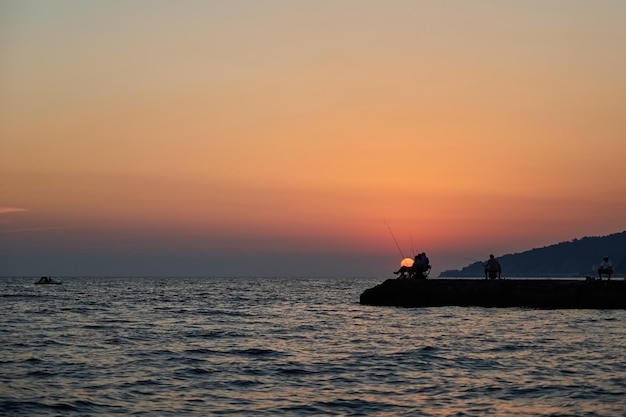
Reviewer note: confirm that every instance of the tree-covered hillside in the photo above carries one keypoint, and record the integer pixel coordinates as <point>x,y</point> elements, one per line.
<point>565,259</point>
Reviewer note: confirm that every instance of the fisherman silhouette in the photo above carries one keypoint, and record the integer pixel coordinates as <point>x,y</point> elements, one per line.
<point>606,267</point>
<point>492,268</point>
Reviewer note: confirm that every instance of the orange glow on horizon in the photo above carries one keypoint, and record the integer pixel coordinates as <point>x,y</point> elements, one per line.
<point>242,129</point>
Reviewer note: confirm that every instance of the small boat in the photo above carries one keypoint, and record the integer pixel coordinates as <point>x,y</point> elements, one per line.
<point>48,281</point>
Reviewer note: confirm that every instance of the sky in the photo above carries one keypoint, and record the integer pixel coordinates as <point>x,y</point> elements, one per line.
<point>305,138</point>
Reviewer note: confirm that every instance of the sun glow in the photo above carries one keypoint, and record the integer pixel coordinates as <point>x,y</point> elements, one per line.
<point>406,262</point>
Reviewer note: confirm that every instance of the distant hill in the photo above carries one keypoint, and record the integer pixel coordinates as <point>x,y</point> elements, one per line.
<point>566,259</point>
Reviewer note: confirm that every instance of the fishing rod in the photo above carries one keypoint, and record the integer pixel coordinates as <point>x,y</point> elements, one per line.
<point>394,238</point>
<point>412,245</point>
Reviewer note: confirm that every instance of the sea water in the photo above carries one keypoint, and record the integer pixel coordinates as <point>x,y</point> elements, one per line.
<point>282,347</point>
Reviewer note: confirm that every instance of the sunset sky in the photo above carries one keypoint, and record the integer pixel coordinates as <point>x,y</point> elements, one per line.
<point>292,138</point>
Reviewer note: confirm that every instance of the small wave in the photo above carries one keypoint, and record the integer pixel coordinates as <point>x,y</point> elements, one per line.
<point>116,341</point>
<point>41,374</point>
<point>13,407</point>
<point>258,352</point>
<point>211,334</point>
<point>142,383</point>
<point>228,313</point>
<point>425,353</point>
<point>245,382</point>
<point>62,407</point>
<point>99,327</point>
<point>192,372</point>
<point>509,348</point>
<point>428,349</point>
<point>54,343</point>
<point>354,406</point>
<point>200,371</point>
<point>27,296</point>
<point>295,371</point>
<point>202,351</point>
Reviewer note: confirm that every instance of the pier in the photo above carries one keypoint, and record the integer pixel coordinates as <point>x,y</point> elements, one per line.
<point>532,293</point>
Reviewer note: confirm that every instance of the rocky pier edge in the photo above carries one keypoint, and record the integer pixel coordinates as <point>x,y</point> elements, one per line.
<point>531,293</point>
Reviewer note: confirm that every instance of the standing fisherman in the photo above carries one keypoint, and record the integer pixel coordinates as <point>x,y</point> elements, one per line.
<point>606,267</point>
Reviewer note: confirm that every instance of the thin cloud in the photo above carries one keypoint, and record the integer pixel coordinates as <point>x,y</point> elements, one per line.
<point>5,210</point>
<point>8,221</point>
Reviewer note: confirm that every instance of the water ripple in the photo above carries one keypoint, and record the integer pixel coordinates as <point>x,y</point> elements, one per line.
<point>276,346</point>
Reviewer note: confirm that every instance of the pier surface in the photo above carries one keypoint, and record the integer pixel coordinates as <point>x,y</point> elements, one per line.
<point>533,293</point>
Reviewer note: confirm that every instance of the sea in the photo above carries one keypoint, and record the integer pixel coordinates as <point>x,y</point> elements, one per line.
<point>269,346</point>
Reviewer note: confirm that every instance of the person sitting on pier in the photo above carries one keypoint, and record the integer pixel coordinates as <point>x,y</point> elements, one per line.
<point>493,268</point>
<point>606,267</point>
<point>416,269</point>
<point>421,265</point>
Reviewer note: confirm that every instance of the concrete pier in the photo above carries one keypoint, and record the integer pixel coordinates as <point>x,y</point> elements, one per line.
<point>533,293</point>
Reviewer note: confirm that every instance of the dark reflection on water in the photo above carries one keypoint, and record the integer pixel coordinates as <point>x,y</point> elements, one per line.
<point>275,346</point>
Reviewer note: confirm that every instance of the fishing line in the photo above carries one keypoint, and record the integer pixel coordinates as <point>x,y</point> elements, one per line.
<point>394,238</point>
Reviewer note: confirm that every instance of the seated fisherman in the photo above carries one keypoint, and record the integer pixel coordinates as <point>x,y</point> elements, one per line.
<point>606,267</point>
<point>421,265</point>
